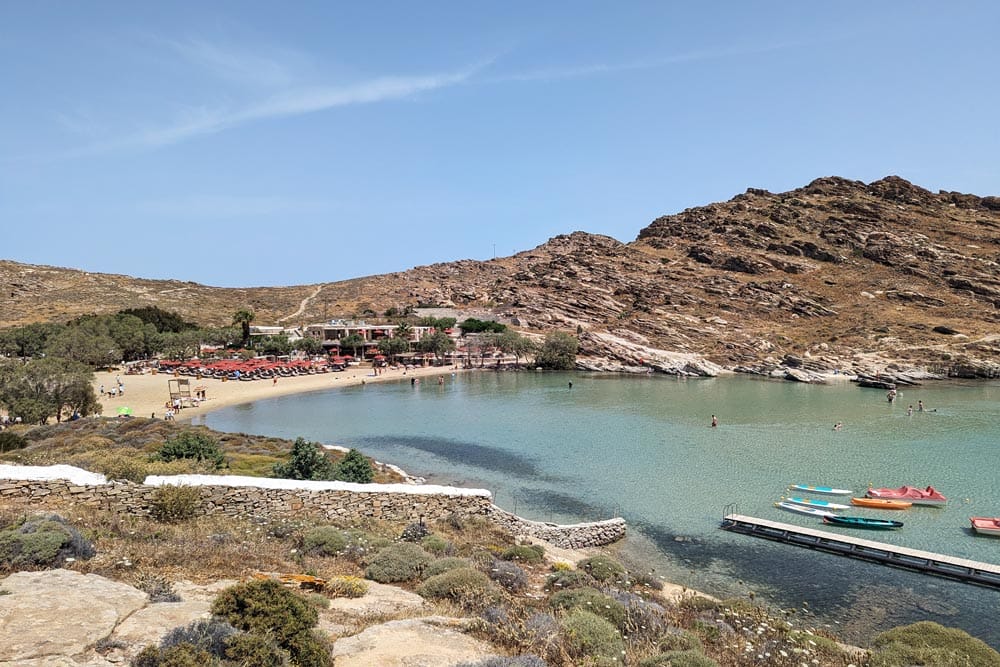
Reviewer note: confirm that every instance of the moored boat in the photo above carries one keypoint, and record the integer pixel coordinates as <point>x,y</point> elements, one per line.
<point>815,502</point>
<point>825,490</point>
<point>986,525</point>
<point>928,496</point>
<point>862,522</point>
<point>803,509</point>
<point>882,503</point>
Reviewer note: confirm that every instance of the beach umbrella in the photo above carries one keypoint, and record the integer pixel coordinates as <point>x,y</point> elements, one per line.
<point>124,410</point>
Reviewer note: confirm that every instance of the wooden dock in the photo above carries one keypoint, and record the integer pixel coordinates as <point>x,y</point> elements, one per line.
<point>949,567</point>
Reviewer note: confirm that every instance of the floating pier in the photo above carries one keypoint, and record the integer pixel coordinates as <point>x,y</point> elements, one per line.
<point>949,567</point>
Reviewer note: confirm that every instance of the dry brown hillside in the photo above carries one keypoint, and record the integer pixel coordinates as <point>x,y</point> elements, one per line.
<point>839,271</point>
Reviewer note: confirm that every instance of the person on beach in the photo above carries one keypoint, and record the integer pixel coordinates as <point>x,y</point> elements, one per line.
<point>715,422</point>
<point>909,411</point>
<point>920,406</point>
<point>101,389</point>
<point>837,426</point>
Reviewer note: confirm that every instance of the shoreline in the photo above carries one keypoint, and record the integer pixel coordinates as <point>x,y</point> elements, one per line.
<point>147,394</point>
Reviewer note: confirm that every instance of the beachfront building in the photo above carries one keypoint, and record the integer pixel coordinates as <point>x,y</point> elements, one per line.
<point>292,333</point>
<point>331,333</point>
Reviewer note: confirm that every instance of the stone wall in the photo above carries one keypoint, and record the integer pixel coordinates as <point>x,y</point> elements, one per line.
<point>337,506</point>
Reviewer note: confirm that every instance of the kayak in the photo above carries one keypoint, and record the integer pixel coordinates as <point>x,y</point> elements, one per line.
<point>825,490</point>
<point>802,509</point>
<point>862,522</point>
<point>815,502</point>
<point>881,503</point>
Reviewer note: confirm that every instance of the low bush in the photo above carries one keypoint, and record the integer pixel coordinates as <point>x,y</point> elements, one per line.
<point>679,659</point>
<point>157,587</point>
<point>437,545</point>
<point>677,639</point>
<point>442,565</point>
<point>587,634</point>
<point>9,441</point>
<point>361,546</point>
<point>461,585</point>
<point>265,607</point>
<point>192,445</point>
<point>928,643</point>
<point>343,586</point>
<point>44,540</point>
<point>258,650</point>
<point>511,577</point>
<point>118,466</point>
<point>355,467</point>
<point>398,562</point>
<point>603,568</point>
<point>525,553</point>
<point>644,618</point>
<point>506,661</point>
<point>415,532</point>
<point>698,603</point>
<point>591,600</point>
<point>173,504</point>
<point>181,655</point>
<point>568,579</point>
<point>211,635</point>
<point>323,541</point>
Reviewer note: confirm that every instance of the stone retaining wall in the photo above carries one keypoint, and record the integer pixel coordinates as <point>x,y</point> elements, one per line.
<point>337,506</point>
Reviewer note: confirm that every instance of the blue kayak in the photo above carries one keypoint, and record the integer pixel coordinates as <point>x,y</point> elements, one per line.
<point>862,522</point>
<point>816,502</point>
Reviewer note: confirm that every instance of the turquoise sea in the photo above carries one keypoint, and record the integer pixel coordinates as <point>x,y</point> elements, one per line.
<point>642,448</point>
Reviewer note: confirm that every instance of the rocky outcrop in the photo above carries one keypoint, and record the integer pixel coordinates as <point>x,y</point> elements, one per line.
<point>432,641</point>
<point>572,536</point>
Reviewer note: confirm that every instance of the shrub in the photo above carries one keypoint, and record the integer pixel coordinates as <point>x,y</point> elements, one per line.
<point>173,504</point>
<point>679,659</point>
<point>398,562</point>
<point>265,607</point>
<point>698,603</point>
<point>307,460</point>
<point>211,636</point>
<point>442,565</point>
<point>257,650</point>
<point>415,532</point>
<point>460,584</point>
<point>591,600</point>
<point>587,634</point>
<point>511,577</point>
<point>526,553</point>
<point>355,467</point>
<point>181,655</point>
<point>602,568</point>
<point>677,639</point>
<point>192,445</point>
<point>323,541</point>
<point>118,466</point>
<point>342,586</point>
<point>561,566</point>
<point>437,545</point>
<point>928,643</point>
<point>10,441</point>
<point>157,587</point>
<point>44,540</point>
<point>506,661</point>
<point>643,618</point>
<point>361,545</point>
<point>568,579</point>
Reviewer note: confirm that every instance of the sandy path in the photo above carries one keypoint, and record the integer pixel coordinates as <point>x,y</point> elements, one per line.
<point>146,394</point>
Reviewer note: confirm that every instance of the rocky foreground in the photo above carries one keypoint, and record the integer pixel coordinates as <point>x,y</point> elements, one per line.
<point>838,275</point>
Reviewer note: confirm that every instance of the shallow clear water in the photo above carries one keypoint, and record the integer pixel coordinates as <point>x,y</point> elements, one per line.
<point>642,448</point>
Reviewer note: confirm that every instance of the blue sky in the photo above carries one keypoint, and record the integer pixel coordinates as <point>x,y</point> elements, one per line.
<point>251,143</point>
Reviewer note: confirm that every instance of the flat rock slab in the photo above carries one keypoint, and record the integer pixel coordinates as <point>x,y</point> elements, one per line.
<point>380,600</point>
<point>60,613</point>
<point>433,641</point>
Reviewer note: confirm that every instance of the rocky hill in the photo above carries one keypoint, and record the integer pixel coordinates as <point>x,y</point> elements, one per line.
<point>837,274</point>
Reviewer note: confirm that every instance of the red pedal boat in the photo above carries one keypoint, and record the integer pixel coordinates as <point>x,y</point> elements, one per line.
<point>928,496</point>
<point>986,525</point>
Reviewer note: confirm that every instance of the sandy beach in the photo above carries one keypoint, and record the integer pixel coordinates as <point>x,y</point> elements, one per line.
<point>147,394</point>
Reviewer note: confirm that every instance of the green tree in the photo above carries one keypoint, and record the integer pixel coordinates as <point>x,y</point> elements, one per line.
<point>306,461</point>
<point>354,341</point>
<point>276,345</point>
<point>136,339</point>
<point>47,387</point>
<point>472,325</point>
<point>514,343</point>
<point>308,344</point>
<point>162,320</point>
<point>183,345</point>
<point>29,340</point>
<point>558,351</point>
<point>87,341</point>
<point>403,332</point>
<point>438,342</point>
<point>355,467</point>
<point>391,347</point>
<point>243,317</point>
<point>192,445</point>
<point>224,336</point>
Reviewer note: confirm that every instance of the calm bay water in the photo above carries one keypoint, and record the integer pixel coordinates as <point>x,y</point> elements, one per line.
<point>642,448</point>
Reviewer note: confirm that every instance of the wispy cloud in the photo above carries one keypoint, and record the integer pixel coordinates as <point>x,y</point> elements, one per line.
<point>236,65</point>
<point>597,69</point>
<point>198,121</point>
